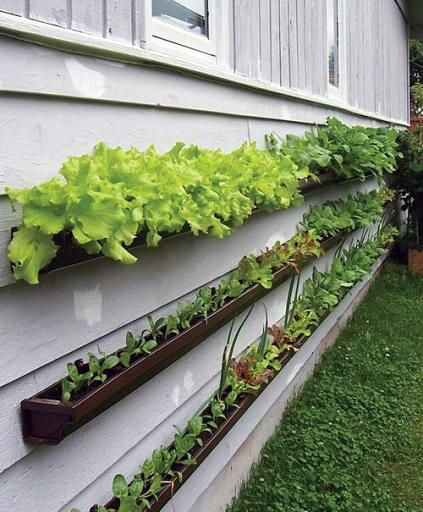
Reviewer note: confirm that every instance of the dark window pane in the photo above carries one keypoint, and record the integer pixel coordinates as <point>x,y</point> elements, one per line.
<point>333,42</point>
<point>187,14</point>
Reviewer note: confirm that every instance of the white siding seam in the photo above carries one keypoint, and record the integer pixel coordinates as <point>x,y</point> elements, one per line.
<point>69,14</point>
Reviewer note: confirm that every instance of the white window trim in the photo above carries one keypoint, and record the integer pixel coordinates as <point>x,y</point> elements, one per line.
<point>339,93</point>
<point>174,34</point>
<point>164,38</point>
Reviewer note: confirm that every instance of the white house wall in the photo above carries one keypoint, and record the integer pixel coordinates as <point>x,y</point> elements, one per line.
<point>55,104</point>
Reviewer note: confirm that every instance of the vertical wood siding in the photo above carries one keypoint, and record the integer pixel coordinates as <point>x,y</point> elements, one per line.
<point>88,16</point>
<point>278,41</point>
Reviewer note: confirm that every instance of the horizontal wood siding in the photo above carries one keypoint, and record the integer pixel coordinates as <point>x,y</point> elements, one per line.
<point>283,42</point>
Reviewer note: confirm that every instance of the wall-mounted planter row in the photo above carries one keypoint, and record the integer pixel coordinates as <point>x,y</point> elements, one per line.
<point>69,254</point>
<point>46,419</point>
<point>232,414</point>
<point>210,441</point>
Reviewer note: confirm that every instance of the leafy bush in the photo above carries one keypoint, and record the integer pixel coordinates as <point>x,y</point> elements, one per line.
<point>416,61</point>
<point>409,179</point>
<point>417,96</point>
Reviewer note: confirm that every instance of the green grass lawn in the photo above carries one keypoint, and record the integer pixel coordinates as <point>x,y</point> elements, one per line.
<point>353,440</point>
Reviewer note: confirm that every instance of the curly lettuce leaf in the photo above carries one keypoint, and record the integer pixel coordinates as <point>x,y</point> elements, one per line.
<point>43,206</point>
<point>29,251</point>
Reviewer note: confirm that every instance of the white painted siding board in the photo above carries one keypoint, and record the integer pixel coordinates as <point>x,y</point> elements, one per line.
<point>293,43</point>
<point>360,46</point>
<point>265,47</point>
<point>254,40</point>
<point>368,38</point>
<point>311,28</point>
<point>382,77</point>
<point>231,33</point>
<point>53,12</point>
<point>119,20</point>
<point>388,57</point>
<point>376,55</point>
<point>301,40</point>
<point>321,49</point>
<point>13,7</point>
<point>360,53</point>
<point>224,34</point>
<point>242,37</point>
<point>140,24</point>
<point>285,80</point>
<point>394,71</point>
<point>384,65</point>
<point>356,37</point>
<point>88,16</point>
<point>275,41</point>
<point>349,53</point>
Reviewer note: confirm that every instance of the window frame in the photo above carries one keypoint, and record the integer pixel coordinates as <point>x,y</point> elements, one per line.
<point>338,92</point>
<point>163,33</point>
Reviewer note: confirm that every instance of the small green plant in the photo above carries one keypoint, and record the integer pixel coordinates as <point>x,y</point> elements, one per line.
<point>205,302</point>
<point>155,327</point>
<point>186,312</point>
<point>97,367</point>
<point>172,326</point>
<point>135,346</point>
<point>74,381</point>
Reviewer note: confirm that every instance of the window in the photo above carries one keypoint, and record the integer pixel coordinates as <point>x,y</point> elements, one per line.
<point>333,42</point>
<point>188,23</point>
<point>190,15</point>
<point>336,50</point>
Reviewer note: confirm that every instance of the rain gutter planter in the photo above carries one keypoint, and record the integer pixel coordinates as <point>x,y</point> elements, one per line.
<point>211,441</point>
<point>46,419</point>
<point>345,308</point>
<point>69,254</point>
